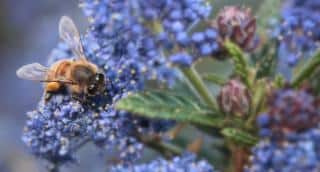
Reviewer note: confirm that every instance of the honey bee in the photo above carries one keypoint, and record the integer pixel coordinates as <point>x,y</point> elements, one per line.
<point>78,76</point>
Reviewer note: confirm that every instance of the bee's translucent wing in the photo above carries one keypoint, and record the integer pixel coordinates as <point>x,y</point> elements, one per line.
<point>70,34</point>
<point>33,71</point>
<point>37,72</point>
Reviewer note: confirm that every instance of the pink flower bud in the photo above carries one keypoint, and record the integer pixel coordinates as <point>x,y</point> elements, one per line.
<point>234,98</point>
<point>238,25</point>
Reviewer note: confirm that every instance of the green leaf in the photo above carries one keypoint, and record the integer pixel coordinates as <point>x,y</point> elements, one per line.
<point>240,62</point>
<point>266,60</point>
<point>165,148</point>
<point>213,78</point>
<point>196,82</point>
<point>258,100</point>
<point>160,105</point>
<point>307,70</point>
<point>279,81</point>
<point>239,136</point>
<point>259,96</point>
<point>180,86</point>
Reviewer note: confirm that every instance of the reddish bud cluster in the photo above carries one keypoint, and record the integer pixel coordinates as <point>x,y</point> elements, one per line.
<point>234,98</point>
<point>293,111</point>
<point>238,25</point>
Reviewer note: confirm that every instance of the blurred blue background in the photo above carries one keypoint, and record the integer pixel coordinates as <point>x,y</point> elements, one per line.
<point>28,32</point>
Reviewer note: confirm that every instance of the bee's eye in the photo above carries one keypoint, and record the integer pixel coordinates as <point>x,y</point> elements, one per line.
<point>99,77</point>
<point>92,89</point>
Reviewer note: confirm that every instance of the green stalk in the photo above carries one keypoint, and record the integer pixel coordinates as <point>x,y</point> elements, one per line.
<point>256,105</point>
<point>196,82</point>
<point>167,149</point>
<point>307,70</point>
<point>214,78</point>
<point>190,73</point>
<point>242,67</point>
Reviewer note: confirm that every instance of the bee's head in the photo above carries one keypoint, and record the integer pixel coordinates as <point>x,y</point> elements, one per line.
<point>97,84</point>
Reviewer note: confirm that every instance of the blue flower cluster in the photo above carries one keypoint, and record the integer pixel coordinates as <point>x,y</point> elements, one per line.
<point>161,28</point>
<point>60,126</point>
<point>290,134</point>
<point>174,22</point>
<point>185,163</point>
<point>175,16</point>
<point>298,31</point>
<point>124,44</point>
<point>289,111</point>
<point>205,42</point>
<point>299,153</point>
<point>49,129</point>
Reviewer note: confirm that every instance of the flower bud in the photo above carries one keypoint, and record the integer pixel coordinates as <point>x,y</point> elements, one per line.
<point>234,98</point>
<point>238,25</point>
<point>290,111</point>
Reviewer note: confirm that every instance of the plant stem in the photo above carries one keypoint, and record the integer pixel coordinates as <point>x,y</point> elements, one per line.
<point>196,82</point>
<point>257,103</point>
<point>214,78</point>
<point>168,150</point>
<point>190,73</point>
<point>307,70</point>
<point>239,157</point>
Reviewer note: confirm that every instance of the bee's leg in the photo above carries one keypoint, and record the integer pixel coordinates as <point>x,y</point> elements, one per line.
<point>77,97</point>
<point>90,103</point>
<point>47,96</point>
<point>83,100</point>
<point>50,89</point>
